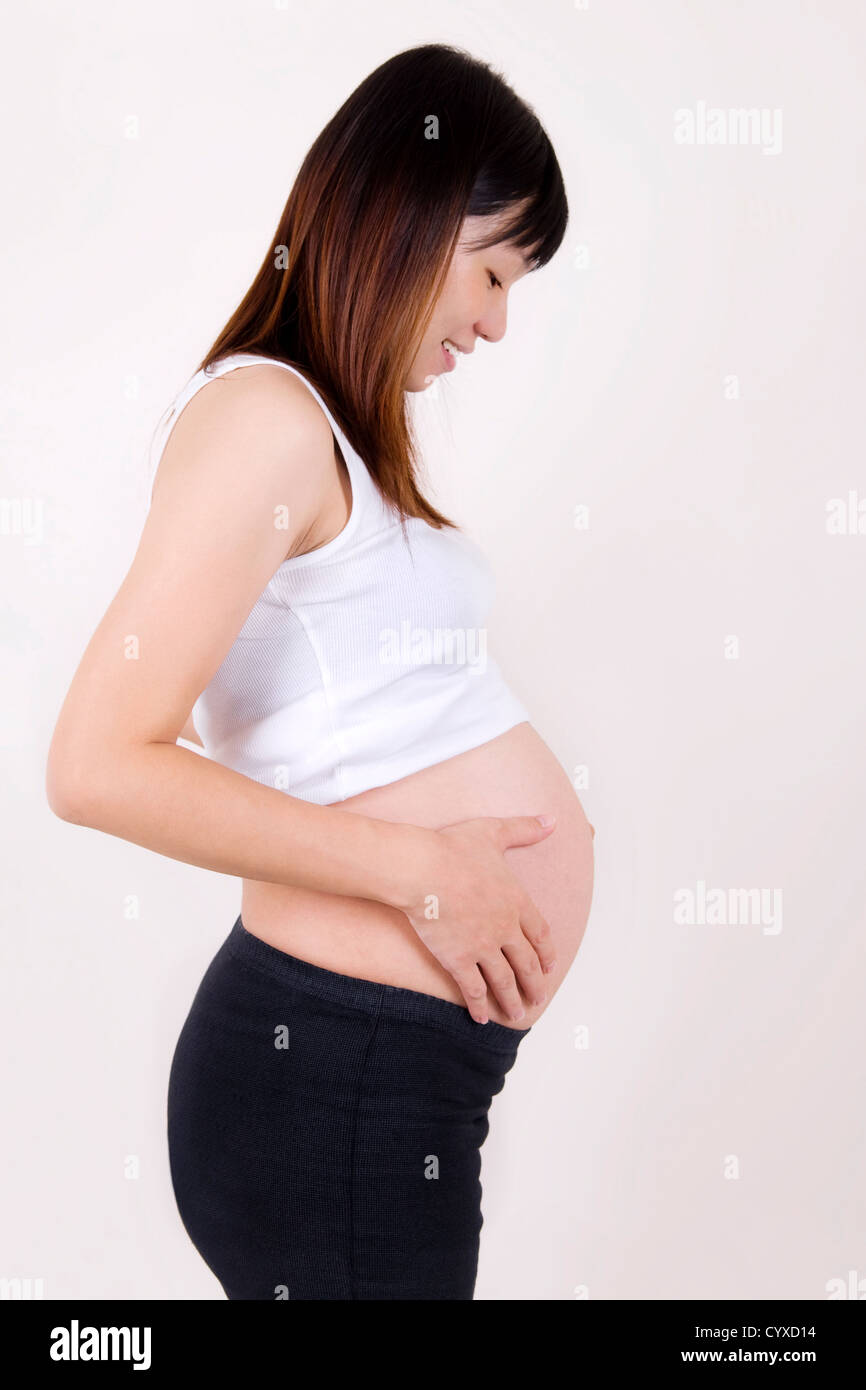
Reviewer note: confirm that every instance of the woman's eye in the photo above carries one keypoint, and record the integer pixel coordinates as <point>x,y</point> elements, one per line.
<point>493,279</point>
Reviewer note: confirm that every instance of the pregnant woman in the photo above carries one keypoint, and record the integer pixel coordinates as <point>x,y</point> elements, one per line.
<point>417,869</point>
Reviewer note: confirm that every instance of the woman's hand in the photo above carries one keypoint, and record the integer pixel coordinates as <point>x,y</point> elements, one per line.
<point>474,916</point>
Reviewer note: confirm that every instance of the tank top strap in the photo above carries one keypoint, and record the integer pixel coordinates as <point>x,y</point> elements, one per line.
<point>367,501</point>
<point>351,456</point>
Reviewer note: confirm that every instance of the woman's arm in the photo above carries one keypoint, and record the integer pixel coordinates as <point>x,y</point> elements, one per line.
<point>189,733</point>
<point>174,801</point>
<point>242,454</point>
<point>247,447</point>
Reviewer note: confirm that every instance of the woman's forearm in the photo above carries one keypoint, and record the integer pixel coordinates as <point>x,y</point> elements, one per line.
<point>183,805</point>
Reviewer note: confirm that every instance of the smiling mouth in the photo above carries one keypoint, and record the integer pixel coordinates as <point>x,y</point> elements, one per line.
<point>450,352</point>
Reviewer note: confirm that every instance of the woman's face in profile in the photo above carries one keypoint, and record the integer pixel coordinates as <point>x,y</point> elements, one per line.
<point>472,305</point>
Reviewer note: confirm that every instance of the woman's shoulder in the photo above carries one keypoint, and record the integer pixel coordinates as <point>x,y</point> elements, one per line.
<point>278,396</point>
<point>260,405</point>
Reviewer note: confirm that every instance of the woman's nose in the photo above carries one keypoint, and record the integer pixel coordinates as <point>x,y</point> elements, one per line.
<point>492,325</point>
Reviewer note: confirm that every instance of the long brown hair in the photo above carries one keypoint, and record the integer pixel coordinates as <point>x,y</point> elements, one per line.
<point>349,285</point>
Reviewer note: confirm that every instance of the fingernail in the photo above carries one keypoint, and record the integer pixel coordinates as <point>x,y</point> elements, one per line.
<point>545,820</point>
<point>521,1014</point>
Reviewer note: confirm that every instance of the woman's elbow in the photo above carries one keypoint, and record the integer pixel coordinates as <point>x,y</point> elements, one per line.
<point>66,789</point>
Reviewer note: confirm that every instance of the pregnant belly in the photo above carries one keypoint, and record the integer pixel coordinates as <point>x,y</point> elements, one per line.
<point>514,774</point>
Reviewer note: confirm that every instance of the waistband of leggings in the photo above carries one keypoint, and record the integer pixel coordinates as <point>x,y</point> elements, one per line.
<point>371,996</point>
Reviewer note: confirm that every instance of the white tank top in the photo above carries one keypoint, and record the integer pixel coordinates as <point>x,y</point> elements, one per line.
<point>362,661</point>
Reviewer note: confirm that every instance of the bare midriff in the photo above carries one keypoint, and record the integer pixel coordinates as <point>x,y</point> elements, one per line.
<point>513,774</point>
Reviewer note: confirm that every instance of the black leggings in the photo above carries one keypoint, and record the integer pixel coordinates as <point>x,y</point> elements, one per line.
<point>324,1131</point>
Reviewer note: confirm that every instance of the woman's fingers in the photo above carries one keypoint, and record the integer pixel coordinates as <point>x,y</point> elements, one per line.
<point>537,931</point>
<point>505,973</point>
<point>500,978</point>
<point>513,970</point>
<point>523,959</point>
<point>471,984</point>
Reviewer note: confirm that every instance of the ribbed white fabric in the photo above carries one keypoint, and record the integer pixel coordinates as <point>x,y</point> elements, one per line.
<point>362,661</point>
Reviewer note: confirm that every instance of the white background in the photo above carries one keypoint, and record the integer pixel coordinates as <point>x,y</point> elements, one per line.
<point>147,154</point>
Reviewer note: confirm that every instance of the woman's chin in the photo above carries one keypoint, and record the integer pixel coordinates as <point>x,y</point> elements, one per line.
<point>416,382</point>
